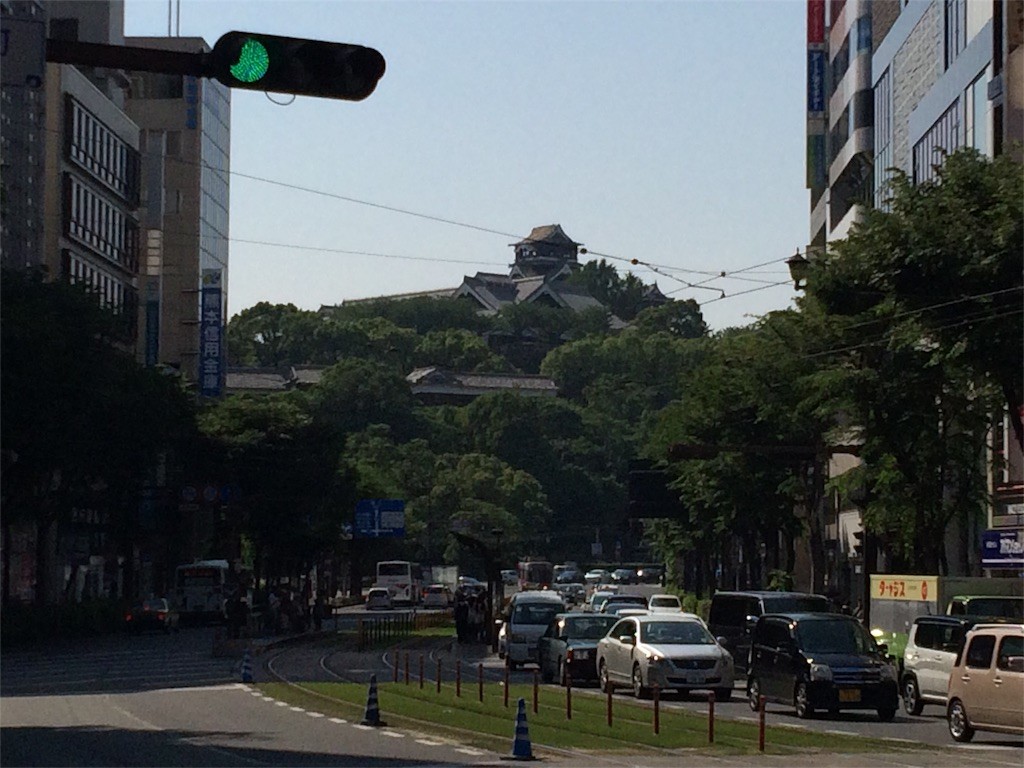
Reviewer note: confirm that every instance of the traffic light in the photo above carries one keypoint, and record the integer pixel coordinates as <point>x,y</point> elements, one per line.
<point>261,62</point>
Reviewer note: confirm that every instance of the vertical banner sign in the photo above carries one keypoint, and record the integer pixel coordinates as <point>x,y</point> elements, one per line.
<point>210,341</point>
<point>815,22</point>
<point>815,83</point>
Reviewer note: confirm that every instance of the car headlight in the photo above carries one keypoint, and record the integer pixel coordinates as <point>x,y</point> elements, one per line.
<point>887,672</point>
<point>655,659</point>
<point>821,672</point>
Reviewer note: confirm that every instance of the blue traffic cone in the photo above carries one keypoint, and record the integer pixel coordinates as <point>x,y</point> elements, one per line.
<point>246,667</point>
<point>521,749</point>
<point>372,715</point>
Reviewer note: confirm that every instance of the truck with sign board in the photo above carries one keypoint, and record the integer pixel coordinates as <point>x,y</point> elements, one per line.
<point>896,600</point>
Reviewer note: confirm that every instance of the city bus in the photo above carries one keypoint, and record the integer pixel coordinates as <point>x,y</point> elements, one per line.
<point>536,574</point>
<point>403,578</point>
<point>201,589</point>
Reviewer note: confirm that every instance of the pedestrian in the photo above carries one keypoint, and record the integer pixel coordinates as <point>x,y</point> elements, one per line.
<point>461,616</point>
<point>476,618</point>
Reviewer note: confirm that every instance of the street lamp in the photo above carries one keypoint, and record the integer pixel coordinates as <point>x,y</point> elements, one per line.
<point>497,591</point>
<point>799,267</point>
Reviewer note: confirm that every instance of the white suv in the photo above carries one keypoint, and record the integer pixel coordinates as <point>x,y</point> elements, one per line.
<point>928,659</point>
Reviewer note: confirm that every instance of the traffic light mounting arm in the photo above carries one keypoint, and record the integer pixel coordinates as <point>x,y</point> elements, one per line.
<point>246,60</point>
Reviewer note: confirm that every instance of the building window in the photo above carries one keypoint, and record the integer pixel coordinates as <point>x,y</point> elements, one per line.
<point>955,19</point>
<point>941,139</point>
<point>839,134</point>
<point>95,148</point>
<point>976,127</point>
<point>840,64</point>
<point>863,31</point>
<point>883,140</point>
<point>98,224</point>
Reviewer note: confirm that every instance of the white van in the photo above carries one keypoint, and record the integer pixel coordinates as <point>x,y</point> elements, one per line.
<point>528,617</point>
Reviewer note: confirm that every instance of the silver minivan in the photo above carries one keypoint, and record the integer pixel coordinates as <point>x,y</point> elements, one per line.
<point>528,617</point>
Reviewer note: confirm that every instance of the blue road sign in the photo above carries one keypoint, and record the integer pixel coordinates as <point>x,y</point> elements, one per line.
<point>380,518</point>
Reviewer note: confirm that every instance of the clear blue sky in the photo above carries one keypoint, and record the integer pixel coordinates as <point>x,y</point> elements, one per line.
<point>669,132</point>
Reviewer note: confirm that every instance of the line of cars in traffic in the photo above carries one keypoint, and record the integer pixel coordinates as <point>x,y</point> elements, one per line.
<point>788,648</point>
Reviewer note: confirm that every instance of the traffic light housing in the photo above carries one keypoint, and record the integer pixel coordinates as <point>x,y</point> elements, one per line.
<point>259,62</point>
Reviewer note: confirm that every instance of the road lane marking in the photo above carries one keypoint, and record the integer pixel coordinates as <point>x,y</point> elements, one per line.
<point>281,703</point>
<point>338,720</point>
<point>315,714</point>
<point>296,709</point>
<point>392,734</point>
<point>428,743</point>
<point>469,751</point>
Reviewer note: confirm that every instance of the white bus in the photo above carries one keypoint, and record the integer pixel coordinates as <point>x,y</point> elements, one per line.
<point>201,589</point>
<point>402,578</point>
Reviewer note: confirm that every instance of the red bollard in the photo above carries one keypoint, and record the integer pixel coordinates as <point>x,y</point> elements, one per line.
<point>711,717</point>
<point>760,724</point>
<point>406,667</point>
<point>480,679</point>
<point>458,678</point>
<point>609,707</point>
<point>656,690</point>
<point>568,695</point>
<point>421,670</point>
<point>536,687</point>
<point>506,686</point>
<point>438,675</point>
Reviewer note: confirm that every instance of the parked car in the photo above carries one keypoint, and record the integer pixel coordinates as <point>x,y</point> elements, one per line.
<point>624,576</point>
<point>672,652</point>
<point>568,646</point>
<point>528,616</point>
<point>733,614</point>
<point>596,576</point>
<point>378,598</point>
<point>437,596</point>
<point>633,601</point>
<point>568,576</point>
<point>986,686</point>
<point>928,659</point>
<point>155,613</point>
<point>820,661</point>
<point>664,604</point>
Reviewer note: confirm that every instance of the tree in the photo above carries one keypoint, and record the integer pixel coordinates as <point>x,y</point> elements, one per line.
<point>271,335</point>
<point>83,423</point>
<point>680,318</point>
<point>458,350</point>
<point>946,253</point>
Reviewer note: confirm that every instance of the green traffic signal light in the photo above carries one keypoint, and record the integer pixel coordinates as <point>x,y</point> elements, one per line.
<point>253,62</point>
<point>294,65</point>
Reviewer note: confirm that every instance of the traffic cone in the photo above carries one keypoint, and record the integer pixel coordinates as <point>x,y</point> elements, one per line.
<point>521,749</point>
<point>372,716</point>
<point>246,667</point>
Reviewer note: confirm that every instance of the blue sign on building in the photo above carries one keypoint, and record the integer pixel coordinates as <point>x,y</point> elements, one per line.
<point>380,518</point>
<point>816,82</point>
<point>1002,548</point>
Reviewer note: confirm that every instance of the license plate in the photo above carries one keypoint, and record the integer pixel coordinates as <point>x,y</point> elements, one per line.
<point>694,677</point>
<point>849,694</point>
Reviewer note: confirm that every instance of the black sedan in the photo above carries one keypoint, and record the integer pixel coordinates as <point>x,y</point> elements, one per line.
<point>568,646</point>
<point>155,613</point>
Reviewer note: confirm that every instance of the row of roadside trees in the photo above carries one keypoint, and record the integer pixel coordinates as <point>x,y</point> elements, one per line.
<point>907,340</point>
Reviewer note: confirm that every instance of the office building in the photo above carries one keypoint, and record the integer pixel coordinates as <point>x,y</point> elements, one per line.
<point>186,125</point>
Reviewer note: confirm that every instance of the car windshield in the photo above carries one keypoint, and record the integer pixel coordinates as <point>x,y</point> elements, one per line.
<point>834,637</point>
<point>154,605</point>
<point>796,604</point>
<point>675,633</point>
<point>535,613</point>
<point>628,599</point>
<point>1006,607</point>
<point>664,602</point>
<point>587,627</point>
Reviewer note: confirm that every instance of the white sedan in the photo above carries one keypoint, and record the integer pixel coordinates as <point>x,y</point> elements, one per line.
<point>671,651</point>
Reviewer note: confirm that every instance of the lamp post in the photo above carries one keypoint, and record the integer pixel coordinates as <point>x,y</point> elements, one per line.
<point>799,266</point>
